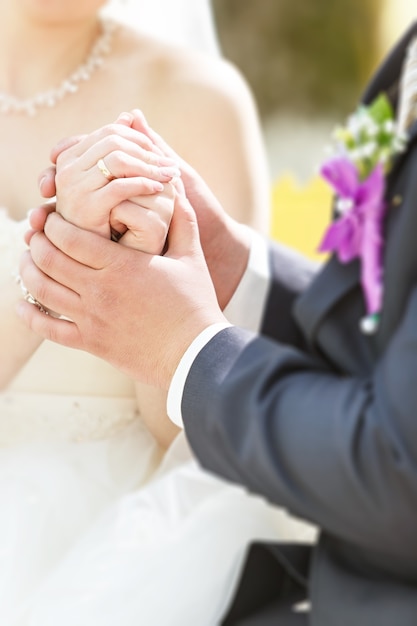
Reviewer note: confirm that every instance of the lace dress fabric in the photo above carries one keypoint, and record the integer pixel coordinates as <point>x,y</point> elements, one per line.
<point>98,526</point>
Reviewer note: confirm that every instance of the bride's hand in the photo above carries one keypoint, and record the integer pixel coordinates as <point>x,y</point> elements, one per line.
<point>113,180</point>
<point>143,222</point>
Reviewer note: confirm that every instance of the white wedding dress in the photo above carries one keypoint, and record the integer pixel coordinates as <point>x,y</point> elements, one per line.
<point>97,526</point>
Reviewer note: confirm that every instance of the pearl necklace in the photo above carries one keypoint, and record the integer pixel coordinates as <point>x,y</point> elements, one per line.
<point>70,85</point>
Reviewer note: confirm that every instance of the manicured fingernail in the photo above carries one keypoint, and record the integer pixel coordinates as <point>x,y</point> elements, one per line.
<point>157,186</point>
<point>170,172</point>
<point>125,117</point>
<point>167,161</point>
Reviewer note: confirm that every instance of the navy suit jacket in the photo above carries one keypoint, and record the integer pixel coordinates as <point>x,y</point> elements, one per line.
<point>322,419</point>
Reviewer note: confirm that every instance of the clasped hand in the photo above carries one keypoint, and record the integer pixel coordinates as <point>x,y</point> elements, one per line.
<point>134,200</point>
<point>137,310</point>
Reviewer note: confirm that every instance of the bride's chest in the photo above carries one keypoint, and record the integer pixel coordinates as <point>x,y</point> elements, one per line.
<point>25,152</point>
<point>26,145</point>
<point>22,156</point>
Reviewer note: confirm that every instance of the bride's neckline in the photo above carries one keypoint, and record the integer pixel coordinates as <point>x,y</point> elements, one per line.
<point>50,98</point>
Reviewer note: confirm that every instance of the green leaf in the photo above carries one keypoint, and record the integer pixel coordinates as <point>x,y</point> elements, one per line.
<point>381,110</point>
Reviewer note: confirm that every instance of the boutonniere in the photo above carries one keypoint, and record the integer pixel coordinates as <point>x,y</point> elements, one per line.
<point>356,170</point>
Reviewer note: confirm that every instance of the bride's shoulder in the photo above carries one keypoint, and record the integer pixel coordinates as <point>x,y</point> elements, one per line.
<point>183,73</point>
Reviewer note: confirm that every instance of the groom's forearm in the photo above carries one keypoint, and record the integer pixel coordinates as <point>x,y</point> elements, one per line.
<point>245,308</point>
<point>273,277</point>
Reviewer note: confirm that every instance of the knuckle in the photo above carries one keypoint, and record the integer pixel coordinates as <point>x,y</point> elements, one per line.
<point>114,142</point>
<point>41,292</point>
<point>61,159</point>
<point>155,234</point>
<point>63,176</point>
<point>120,156</point>
<point>161,232</point>
<point>110,129</point>
<point>45,258</point>
<point>147,156</point>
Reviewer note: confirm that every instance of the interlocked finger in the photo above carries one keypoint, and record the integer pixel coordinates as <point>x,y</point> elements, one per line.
<point>125,161</point>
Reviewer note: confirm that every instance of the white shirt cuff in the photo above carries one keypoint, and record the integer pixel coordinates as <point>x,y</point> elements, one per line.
<point>247,305</point>
<point>245,309</point>
<point>177,385</point>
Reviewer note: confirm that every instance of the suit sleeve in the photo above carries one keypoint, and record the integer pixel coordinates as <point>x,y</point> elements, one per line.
<point>336,450</point>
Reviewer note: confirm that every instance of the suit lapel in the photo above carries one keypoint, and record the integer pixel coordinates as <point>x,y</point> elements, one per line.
<point>330,285</point>
<point>399,159</point>
<point>386,77</point>
<point>400,254</point>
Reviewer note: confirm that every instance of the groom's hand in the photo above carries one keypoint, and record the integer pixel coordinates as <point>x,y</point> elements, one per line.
<point>137,311</point>
<point>225,242</point>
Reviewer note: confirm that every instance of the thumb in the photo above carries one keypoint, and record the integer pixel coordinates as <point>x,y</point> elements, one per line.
<point>140,124</point>
<point>63,145</point>
<point>46,182</point>
<point>126,119</point>
<point>183,236</point>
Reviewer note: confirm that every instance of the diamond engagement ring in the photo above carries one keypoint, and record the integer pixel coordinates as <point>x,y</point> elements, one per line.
<point>28,296</point>
<point>105,170</point>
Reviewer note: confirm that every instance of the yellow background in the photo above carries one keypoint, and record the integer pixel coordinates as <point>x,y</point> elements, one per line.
<point>300,213</point>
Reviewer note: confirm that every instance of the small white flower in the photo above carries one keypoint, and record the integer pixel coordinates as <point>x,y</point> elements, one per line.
<point>369,141</point>
<point>343,205</point>
<point>368,150</point>
<point>389,126</point>
<point>361,124</point>
<point>354,154</point>
<point>372,129</point>
<point>355,125</point>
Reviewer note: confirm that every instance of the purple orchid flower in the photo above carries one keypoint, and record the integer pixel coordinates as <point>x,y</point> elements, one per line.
<point>357,233</point>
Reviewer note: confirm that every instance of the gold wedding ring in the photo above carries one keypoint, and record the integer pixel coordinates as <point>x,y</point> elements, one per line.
<point>105,170</point>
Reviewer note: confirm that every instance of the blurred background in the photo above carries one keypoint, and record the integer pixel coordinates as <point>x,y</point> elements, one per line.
<point>307,62</point>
